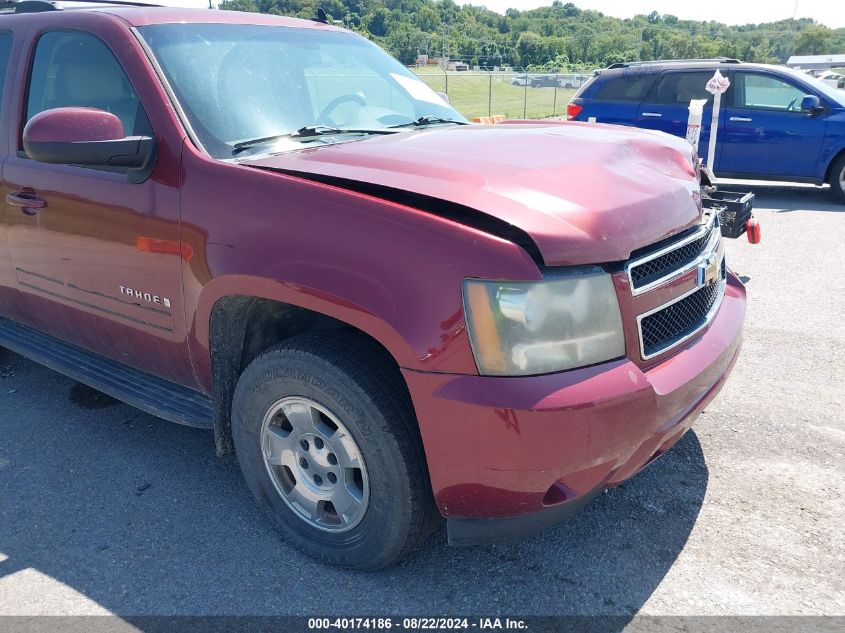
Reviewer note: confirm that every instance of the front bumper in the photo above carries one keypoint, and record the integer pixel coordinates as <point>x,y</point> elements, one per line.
<point>507,456</point>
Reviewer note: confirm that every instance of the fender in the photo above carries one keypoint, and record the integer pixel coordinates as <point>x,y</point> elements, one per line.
<point>311,299</point>
<point>392,271</point>
<point>834,143</point>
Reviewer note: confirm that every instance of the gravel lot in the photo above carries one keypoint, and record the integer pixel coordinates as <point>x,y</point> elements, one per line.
<point>104,509</point>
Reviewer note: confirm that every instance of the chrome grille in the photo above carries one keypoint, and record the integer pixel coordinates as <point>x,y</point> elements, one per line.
<point>677,321</point>
<point>665,261</point>
<point>696,250</point>
<point>655,269</point>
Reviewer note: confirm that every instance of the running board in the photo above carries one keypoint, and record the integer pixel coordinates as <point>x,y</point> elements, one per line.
<point>149,393</point>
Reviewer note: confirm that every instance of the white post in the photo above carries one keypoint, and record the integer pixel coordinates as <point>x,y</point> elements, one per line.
<point>716,86</point>
<point>714,125</point>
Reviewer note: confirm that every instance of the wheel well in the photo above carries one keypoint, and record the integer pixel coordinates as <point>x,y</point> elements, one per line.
<point>828,177</point>
<point>829,173</point>
<point>242,327</point>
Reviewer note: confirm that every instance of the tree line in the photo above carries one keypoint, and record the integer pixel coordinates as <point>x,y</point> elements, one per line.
<point>556,37</point>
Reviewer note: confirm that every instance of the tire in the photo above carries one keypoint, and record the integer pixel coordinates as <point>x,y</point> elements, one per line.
<point>837,178</point>
<point>345,381</point>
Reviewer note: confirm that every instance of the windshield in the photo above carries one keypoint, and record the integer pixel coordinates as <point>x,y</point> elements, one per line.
<point>835,95</point>
<point>238,83</point>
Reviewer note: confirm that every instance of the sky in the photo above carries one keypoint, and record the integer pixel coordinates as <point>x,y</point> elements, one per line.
<point>828,12</point>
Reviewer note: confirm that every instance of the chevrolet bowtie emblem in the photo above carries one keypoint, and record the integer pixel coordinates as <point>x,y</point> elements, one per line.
<point>708,270</point>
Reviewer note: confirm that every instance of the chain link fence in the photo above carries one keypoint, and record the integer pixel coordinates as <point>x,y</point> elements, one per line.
<point>515,94</point>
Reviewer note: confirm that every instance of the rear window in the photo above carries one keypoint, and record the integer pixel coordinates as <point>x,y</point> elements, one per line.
<point>624,88</point>
<point>681,88</point>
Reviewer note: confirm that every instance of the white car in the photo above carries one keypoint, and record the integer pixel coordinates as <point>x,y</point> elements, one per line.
<point>573,81</point>
<point>832,78</point>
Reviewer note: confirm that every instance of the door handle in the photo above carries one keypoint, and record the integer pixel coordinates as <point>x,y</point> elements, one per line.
<point>741,118</point>
<point>652,114</point>
<point>27,200</point>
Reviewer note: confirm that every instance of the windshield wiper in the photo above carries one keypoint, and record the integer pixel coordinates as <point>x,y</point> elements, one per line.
<point>429,119</point>
<point>308,131</point>
<point>318,130</point>
<point>255,142</point>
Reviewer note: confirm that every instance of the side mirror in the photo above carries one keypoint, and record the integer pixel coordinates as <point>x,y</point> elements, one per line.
<point>811,103</point>
<point>85,136</point>
<point>443,96</point>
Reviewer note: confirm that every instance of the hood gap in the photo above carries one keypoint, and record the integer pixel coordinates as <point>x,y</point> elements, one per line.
<point>459,213</point>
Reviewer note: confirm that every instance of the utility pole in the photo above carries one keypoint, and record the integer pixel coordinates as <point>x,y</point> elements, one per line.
<point>792,28</point>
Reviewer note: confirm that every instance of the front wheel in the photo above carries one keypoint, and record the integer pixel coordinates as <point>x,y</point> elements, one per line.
<point>837,178</point>
<point>326,439</point>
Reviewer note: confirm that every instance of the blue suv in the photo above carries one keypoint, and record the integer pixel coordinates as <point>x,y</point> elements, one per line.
<point>774,124</point>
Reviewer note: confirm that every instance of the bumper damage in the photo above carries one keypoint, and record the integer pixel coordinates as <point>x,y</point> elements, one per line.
<point>510,456</point>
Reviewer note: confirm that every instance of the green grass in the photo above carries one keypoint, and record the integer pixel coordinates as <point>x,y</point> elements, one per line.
<point>482,94</point>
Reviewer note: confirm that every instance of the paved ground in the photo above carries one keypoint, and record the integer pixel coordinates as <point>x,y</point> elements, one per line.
<point>105,509</point>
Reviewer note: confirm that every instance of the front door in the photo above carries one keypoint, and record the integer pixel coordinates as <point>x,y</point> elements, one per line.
<point>96,257</point>
<point>766,133</point>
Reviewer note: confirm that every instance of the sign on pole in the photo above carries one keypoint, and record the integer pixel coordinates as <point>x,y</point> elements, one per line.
<point>696,113</point>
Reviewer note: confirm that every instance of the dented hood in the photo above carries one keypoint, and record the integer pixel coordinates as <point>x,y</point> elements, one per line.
<point>584,193</point>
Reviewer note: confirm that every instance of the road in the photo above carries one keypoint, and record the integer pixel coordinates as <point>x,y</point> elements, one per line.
<point>104,509</point>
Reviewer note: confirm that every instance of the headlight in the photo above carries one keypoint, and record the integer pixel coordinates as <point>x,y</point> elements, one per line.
<point>524,328</point>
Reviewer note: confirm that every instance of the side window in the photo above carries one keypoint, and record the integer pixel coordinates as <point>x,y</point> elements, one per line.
<point>625,88</point>
<point>5,54</point>
<point>72,68</point>
<point>763,91</point>
<point>680,88</point>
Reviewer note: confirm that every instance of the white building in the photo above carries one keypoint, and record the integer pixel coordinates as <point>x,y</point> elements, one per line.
<point>816,62</point>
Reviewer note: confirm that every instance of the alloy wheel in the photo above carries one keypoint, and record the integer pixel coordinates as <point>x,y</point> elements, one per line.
<point>315,464</point>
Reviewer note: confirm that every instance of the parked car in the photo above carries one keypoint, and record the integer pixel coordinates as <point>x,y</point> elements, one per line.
<point>544,81</point>
<point>831,78</point>
<point>775,123</point>
<point>572,81</point>
<point>535,81</point>
<point>388,314</point>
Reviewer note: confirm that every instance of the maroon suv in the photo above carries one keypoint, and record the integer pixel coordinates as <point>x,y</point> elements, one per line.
<point>270,228</point>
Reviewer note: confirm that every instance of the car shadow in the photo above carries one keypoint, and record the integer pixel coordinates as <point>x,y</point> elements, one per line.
<point>139,516</point>
<point>789,198</point>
